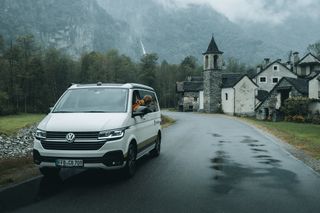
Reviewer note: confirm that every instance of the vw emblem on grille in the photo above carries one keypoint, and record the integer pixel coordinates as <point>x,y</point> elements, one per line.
<point>70,137</point>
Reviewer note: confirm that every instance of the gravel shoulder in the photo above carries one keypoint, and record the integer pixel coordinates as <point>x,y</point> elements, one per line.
<point>16,163</point>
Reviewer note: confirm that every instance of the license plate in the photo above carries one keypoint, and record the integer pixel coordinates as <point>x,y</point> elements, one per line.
<point>69,163</point>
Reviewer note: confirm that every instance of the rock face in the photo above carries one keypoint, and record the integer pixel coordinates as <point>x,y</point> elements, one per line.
<point>74,26</point>
<point>17,145</point>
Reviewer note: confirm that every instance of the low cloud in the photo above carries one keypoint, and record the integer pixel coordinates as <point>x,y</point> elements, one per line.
<point>258,11</point>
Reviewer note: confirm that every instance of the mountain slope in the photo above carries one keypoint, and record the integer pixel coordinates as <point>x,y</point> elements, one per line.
<point>177,32</point>
<point>74,25</point>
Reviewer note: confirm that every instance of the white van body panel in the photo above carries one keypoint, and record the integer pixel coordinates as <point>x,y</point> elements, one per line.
<point>141,130</point>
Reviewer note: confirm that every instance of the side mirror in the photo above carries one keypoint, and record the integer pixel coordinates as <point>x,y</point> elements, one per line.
<point>50,109</point>
<point>134,114</point>
<point>141,111</point>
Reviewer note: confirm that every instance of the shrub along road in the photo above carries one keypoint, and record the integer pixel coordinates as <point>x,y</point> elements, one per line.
<point>209,163</point>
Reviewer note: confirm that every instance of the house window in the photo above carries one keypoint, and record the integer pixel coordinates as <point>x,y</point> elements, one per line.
<point>263,79</point>
<point>275,68</point>
<point>275,80</point>
<point>195,99</point>
<point>226,96</point>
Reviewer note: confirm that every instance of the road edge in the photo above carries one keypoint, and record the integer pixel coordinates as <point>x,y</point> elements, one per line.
<point>298,154</point>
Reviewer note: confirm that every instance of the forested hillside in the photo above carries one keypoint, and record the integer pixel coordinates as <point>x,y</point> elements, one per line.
<point>33,78</point>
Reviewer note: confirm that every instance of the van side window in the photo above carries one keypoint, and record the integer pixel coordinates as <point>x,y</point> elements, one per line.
<point>150,100</point>
<point>136,100</point>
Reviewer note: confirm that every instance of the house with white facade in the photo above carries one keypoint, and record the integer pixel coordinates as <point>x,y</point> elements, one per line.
<point>238,95</point>
<point>261,95</point>
<point>271,74</point>
<point>306,65</point>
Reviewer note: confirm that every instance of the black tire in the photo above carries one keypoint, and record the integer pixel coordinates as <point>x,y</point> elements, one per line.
<point>50,172</point>
<point>131,164</point>
<point>156,151</point>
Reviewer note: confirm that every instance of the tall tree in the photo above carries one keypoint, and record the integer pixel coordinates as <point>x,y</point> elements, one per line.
<point>315,48</point>
<point>148,67</point>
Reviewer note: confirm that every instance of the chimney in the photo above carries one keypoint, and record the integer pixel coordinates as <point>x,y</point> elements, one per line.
<point>189,78</point>
<point>296,57</point>
<point>279,60</point>
<point>258,68</point>
<point>288,65</point>
<point>266,61</point>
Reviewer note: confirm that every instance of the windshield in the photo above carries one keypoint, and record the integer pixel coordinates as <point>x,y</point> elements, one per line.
<point>93,100</point>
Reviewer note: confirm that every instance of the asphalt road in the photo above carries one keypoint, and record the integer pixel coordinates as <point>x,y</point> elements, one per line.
<point>209,163</point>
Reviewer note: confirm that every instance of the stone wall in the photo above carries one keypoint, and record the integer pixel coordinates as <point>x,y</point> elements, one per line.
<point>189,102</point>
<point>212,90</point>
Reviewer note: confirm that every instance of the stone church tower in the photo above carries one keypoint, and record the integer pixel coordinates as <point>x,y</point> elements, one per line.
<point>212,77</point>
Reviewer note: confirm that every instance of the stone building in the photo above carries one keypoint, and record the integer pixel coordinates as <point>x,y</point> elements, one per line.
<point>190,94</point>
<point>271,73</point>
<point>306,65</point>
<point>239,94</point>
<point>212,77</point>
<point>285,88</point>
<point>216,91</point>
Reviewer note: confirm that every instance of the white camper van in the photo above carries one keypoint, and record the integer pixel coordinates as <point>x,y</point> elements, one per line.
<point>106,126</point>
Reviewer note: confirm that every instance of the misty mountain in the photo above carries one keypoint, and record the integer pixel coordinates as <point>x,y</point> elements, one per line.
<point>74,26</point>
<point>173,33</point>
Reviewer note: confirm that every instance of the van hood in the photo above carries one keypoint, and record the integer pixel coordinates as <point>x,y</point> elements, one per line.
<point>78,122</point>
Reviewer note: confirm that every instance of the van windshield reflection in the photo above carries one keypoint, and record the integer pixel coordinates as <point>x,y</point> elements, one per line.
<point>93,100</point>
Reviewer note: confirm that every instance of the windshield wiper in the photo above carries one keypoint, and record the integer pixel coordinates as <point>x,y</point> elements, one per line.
<point>63,112</point>
<point>94,111</point>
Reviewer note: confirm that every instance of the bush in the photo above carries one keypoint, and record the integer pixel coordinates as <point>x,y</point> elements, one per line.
<point>288,118</point>
<point>316,119</point>
<point>298,119</point>
<point>296,106</point>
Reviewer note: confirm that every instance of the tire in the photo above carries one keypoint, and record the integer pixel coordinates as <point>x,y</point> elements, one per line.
<point>50,172</point>
<point>156,151</point>
<point>131,164</point>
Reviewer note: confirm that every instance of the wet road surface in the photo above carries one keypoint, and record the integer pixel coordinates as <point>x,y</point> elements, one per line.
<point>209,163</point>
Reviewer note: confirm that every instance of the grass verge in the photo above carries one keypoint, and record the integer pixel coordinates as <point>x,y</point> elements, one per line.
<point>16,170</point>
<point>12,123</point>
<point>166,121</point>
<point>301,135</point>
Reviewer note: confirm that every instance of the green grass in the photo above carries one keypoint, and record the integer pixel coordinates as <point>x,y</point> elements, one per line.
<point>301,135</point>
<point>12,123</point>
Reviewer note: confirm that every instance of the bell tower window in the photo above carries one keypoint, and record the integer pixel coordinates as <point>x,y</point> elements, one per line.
<point>215,61</point>
<point>206,61</point>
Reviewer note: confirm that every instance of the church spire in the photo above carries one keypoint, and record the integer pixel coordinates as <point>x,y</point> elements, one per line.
<point>213,48</point>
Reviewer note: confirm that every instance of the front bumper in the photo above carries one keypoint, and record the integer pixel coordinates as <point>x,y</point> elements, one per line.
<point>109,156</point>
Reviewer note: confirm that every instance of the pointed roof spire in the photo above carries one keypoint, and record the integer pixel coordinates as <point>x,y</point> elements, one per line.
<point>212,48</point>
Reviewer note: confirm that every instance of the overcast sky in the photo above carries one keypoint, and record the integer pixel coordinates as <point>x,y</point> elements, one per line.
<point>260,11</point>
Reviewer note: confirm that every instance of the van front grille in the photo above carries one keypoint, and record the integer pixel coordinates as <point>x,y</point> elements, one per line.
<point>79,135</point>
<point>53,145</point>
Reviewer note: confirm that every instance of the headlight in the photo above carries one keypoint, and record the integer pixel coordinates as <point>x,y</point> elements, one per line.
<point>40,134</point>
<point>113,134</point>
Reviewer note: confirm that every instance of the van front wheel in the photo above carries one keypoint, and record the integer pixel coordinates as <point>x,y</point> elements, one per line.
<point>130,167</point>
